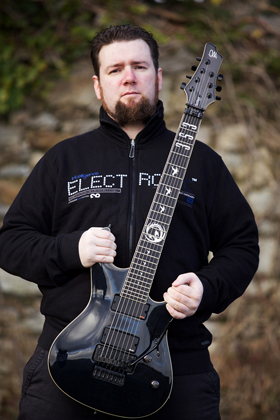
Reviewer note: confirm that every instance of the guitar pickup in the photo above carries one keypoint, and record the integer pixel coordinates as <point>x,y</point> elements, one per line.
<point>124,341</point>
<point>130,307</point>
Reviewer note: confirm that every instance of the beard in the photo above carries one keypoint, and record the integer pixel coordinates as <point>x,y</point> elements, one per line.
<point>131,112</point>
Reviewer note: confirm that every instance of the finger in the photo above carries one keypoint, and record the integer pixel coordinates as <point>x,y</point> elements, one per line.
<point>181,293</point>
<point>174,313</point>
<point>102,234</point>
<point>177,305</point>
<point>104,243</point>
<point>103,259</point>
<point>103,251</point>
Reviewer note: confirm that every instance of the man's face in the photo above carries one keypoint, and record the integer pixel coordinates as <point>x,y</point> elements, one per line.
<point>128,84</point>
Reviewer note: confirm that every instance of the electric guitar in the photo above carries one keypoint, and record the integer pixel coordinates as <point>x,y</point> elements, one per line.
<point>114,357</point>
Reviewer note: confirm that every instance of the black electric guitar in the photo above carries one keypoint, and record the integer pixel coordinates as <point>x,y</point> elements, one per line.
<point>114,356</point>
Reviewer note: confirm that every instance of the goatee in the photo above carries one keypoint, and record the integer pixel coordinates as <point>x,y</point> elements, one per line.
<point>131,112</point>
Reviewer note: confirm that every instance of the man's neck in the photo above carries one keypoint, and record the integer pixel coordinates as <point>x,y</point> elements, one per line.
<point>133,130</point>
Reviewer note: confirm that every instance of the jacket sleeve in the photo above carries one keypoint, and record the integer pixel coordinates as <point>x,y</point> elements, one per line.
<point>234,244</point>
<point>28,247</point>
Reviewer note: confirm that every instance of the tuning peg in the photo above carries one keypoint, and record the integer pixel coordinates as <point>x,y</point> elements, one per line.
<point>220,77</point>
<point>188,77</point>
<point>183,85</point>
<point>218,98</point>
<point>193,68</point>
<point>198,59</point>
<point>218,88</point>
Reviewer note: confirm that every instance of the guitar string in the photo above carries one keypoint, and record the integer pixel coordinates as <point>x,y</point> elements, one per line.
<point>119,326</point>
<point>132,334</point>
<point>137,311</point>
<point>162,217</point>
<point>127,302</point>
<point>123,310</point>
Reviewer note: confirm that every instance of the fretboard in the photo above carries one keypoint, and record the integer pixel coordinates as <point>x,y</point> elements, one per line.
<point>149,248</point>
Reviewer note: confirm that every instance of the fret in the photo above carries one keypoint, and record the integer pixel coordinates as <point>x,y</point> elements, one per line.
<point>136,272</point>
<point>167,193</point>
<point>137,289</point>
<point>139,295</point>
<point>175,156</point>
<point>176,175</point>
<point>169,198</point>
<point>151,259</point>
<point>160,213</point>
<point>177,165</point>
<point>160,208</point>
<point>136,299</point>
<point>154,219</point>
<point>173,186</point>
<point>145,249</point>
<point>137,280</point>
<point>140,268</point>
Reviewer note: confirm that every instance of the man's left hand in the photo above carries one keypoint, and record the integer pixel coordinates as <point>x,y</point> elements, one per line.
<point>184,296</point>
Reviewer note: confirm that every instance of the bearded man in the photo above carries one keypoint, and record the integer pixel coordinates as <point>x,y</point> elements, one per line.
<point>53,234</point>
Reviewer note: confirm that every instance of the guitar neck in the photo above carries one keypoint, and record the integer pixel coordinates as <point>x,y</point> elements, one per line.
<point>149,248</point>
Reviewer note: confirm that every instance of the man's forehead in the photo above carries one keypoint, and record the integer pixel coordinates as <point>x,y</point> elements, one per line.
<point>136,51</point>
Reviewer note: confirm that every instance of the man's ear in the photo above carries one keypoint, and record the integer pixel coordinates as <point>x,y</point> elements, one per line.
<point>159,79</point>
<point>96,87</point>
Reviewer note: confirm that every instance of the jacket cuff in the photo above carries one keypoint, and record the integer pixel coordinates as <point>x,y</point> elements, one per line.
<point>69,251</point>
<point>208,300</point>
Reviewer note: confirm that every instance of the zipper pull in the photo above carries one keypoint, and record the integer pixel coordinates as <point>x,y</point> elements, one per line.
<point>132,149</point>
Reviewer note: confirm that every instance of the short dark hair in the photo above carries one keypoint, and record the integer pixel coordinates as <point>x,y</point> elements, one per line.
<point>120,33</point>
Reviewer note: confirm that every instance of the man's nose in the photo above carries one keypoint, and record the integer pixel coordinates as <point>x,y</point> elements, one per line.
<point>129,75</point>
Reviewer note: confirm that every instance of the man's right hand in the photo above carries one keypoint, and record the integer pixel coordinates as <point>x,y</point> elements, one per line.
<point>97,245</point>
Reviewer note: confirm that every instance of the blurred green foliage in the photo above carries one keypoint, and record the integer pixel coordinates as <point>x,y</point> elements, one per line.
<point>40,39</point>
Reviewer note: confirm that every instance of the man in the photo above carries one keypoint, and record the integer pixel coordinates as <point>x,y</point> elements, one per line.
<point>54,230</point>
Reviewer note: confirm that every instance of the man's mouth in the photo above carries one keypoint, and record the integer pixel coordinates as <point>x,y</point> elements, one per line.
<point>130,93</point>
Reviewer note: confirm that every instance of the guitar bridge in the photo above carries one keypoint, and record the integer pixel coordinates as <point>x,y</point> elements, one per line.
<point>112,365</point>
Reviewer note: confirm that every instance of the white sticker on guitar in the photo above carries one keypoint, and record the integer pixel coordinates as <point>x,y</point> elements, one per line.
<point>155,233</point>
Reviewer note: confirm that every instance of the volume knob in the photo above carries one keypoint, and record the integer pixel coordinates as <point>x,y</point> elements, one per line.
<point>155,384</point>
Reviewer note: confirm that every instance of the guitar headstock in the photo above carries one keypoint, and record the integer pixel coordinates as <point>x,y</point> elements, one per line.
<point>201,88</point>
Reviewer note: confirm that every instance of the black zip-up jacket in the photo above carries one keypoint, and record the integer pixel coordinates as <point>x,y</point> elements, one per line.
<point>101,178</point>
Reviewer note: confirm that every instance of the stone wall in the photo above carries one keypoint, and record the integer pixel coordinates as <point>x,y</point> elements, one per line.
<point>70,109</point>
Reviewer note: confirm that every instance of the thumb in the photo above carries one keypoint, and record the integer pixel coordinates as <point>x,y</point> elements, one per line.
<point>186,278</point>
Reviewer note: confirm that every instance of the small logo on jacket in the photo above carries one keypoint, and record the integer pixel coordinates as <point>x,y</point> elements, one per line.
<point>187,195</point>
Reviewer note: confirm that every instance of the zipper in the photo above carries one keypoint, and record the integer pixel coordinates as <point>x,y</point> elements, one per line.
<point>132,149</point>
<point>132,211</point>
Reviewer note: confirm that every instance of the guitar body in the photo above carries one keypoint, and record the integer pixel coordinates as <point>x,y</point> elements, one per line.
<point>124,370</point>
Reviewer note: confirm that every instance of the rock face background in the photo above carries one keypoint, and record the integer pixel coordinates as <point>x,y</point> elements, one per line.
<point>246,336</point>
